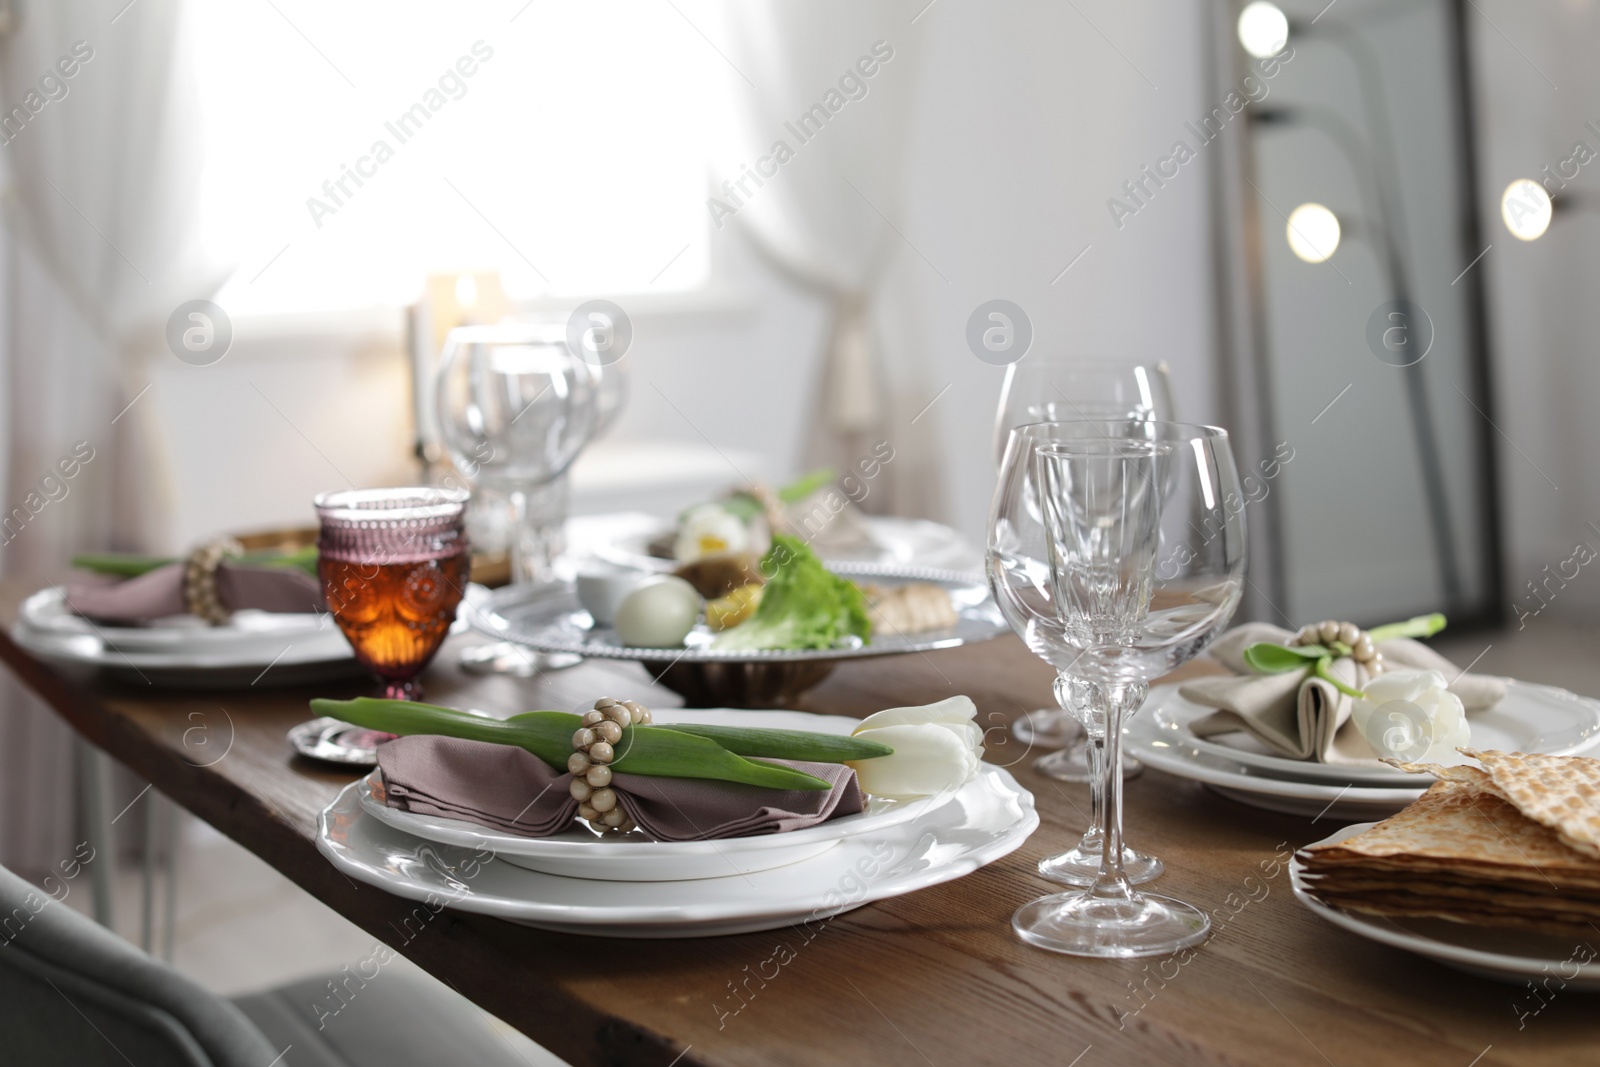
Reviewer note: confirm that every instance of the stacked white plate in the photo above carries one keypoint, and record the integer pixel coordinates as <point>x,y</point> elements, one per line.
<point>580,882</point>
<point>252,647</point>
<point>1531,718</point>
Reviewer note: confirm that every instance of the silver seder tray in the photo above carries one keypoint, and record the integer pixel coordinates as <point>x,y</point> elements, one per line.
<point>550,619</point>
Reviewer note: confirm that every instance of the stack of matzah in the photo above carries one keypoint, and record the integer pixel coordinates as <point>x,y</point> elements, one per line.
<point>1515,844</point>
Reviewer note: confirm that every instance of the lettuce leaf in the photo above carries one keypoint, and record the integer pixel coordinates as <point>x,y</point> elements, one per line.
<point>804,605</point>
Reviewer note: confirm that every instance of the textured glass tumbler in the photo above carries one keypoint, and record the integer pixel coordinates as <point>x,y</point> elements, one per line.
<point>393,563</point>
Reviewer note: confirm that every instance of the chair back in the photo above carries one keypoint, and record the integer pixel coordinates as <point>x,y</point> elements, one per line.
<point>74,994</point>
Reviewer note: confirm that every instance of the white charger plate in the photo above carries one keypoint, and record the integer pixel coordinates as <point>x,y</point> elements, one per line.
<point>581,853</point>
<point>1532,718</point>
<point>989,817</point>
<point>323,656</point>
<point>1505,955</point>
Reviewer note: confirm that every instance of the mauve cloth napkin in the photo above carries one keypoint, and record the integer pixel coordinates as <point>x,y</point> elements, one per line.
<point>159,593</point>
<point>1301,716</point>
<point>512,790</point>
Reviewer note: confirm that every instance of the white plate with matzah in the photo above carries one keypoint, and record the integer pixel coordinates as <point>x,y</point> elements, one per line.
<point>1517,956</point>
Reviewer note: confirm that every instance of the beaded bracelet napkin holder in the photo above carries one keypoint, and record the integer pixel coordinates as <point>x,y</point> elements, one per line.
<point>200,579</point>
<point>594,749</point>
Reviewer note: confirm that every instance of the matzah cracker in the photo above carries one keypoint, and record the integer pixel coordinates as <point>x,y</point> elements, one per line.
<point>1461,852</point>
<point>1461,773</point>
<point>1562,792</point>
<point>1536,894</point>
<point>1469,917</point>
<point>1460,825</point>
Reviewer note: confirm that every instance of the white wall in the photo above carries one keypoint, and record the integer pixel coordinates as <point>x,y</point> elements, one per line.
<point>1029,121</point>
<point>306,405</point>
<point>1033,115</point>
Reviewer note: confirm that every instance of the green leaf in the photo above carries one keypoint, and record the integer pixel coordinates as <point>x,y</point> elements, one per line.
<point>1419,626</point>
<point>1268,658</point>
<point>805,485</point>
<point>129,565</point>
<point>649,750</point>
<point>1326,674</point>
<point>303,558</point>
<point>786,744</point>
<point>121,564</point>
<point>803,605</point>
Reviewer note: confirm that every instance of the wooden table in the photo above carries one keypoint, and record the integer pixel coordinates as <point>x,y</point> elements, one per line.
<point>932,978</point>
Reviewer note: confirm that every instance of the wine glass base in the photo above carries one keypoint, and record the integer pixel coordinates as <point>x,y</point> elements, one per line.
<point>1080,924</point>
<point>1046,728</point>
<point>519,661</point>
<point>1072,765</point>
<point>1081,865</point>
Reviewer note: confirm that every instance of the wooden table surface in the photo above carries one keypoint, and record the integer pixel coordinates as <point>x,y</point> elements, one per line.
<point>932,978</point>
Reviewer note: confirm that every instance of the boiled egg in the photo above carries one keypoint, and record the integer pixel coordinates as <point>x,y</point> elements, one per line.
<point>710,530</point>
<point>659,613</point>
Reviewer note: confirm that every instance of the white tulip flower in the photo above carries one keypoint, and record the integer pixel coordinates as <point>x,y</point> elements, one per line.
<point>937,748</point>
<point>1411,715</point>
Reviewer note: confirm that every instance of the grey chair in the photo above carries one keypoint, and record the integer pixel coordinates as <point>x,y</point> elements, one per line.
<point>73,993</point>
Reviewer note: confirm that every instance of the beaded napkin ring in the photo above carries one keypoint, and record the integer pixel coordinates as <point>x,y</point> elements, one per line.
<point>593,750</point>
<point>200,579</point>
<point>1348,634</point>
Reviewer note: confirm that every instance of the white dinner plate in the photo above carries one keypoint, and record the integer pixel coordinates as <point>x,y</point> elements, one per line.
<point>255,648</point>
<point>1155,737</point>
<point>896,542</point>
<point>1532,718</point>
<point>1159,744</point>
<point>246,632</point>
<point>321,657</point>
<point>581,853</point>
<point>1505,955</point>
<point>989,817</point>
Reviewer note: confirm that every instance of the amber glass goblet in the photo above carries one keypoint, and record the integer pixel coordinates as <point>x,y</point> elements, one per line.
<point>394,563</point>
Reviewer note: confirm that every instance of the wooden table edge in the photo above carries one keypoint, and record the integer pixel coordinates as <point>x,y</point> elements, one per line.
<point>220,802</point>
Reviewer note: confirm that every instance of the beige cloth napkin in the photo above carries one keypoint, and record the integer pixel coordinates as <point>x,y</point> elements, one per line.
<point>512,790</point>
<point>1301,716</point>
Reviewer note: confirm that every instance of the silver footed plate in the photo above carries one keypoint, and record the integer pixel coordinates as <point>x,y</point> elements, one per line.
<point>550,619</point>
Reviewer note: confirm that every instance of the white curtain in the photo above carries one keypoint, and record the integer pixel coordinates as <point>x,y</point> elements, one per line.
<point>814,173</point>
<point>100,193</point>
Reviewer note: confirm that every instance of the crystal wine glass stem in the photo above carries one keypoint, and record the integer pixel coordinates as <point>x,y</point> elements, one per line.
<point>1112,704</point>
<point>538,530</point>
<point>1094,755</point>
<point>1072,695</point>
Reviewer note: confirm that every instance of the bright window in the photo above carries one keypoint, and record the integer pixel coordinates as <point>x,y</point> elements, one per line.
<point>352,148</point>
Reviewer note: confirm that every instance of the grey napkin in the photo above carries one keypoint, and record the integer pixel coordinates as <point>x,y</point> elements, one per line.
<point>159,593</point>
<point>512,790</point>
<point>1304,717</point>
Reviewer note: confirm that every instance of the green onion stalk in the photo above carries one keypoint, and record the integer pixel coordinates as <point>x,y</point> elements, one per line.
<point>721,753</point>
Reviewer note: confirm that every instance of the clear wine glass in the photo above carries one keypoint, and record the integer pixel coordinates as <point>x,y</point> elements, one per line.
<point>516,407</point>
<point>1057,391</point>
<point>1117,552</point>
<point>1069,391</point>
